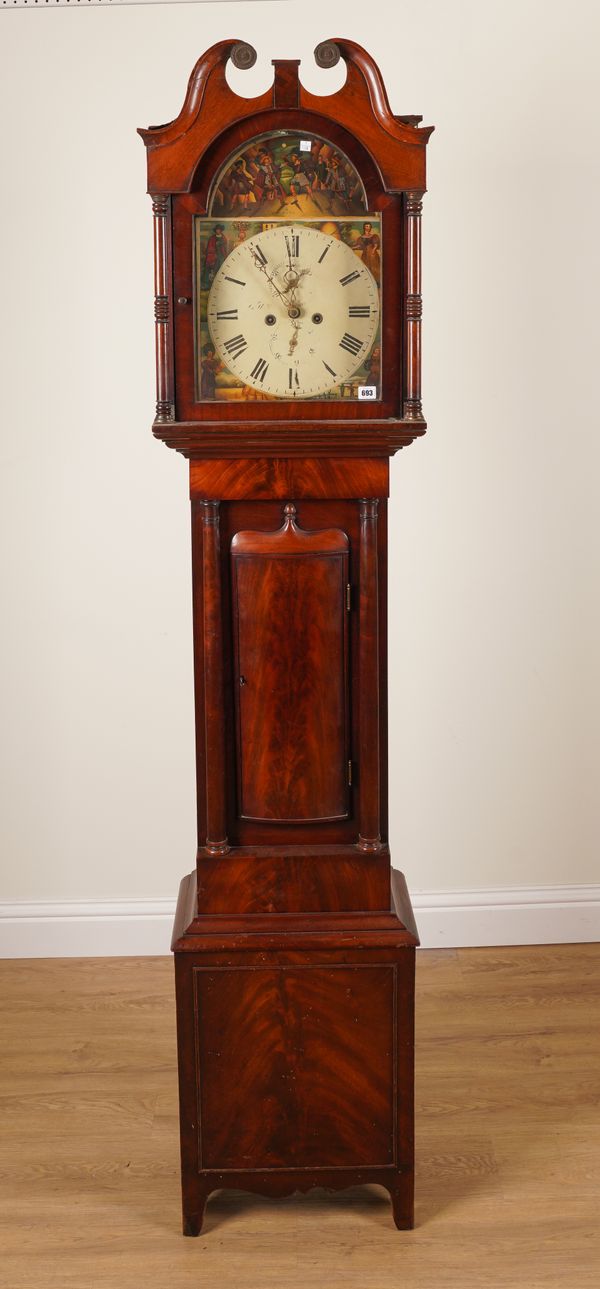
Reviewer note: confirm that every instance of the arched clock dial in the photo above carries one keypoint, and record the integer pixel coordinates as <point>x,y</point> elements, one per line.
<point>293,311</point>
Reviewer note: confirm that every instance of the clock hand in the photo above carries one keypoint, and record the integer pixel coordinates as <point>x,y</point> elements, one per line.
<point>289,201</point>
<point>272,282</point>
<point>269,276</point>
<point>294,339</point>
<point>294,276</point>
<point>294,312</point>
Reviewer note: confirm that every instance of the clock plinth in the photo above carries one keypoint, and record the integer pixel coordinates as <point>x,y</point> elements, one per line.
<point>287,250</point>
<point>295,1038</point>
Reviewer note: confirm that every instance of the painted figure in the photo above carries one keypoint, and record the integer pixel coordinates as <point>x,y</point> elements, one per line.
<point>368,247</point>
<point>295,178</point>
<point>372,366</point>
<point>216,252</point>
<point>336,179</point>
<point>210,367</point>
<point>268,184</point>
<point>242,185</point>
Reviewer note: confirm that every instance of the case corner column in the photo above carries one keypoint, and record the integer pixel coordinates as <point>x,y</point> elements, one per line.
<point>413,310</point>
<point>369,769</point>
<point>161,210</point>
<point>212,610</point>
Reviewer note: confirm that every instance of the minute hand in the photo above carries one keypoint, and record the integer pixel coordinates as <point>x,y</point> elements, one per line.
<point>269,276</point>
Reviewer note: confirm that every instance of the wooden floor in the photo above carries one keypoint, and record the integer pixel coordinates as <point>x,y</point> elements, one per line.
<point>508,1139</point>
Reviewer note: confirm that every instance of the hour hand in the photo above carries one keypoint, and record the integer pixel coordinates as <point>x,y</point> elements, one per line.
<point>294,340</point>
<point>269,276</point>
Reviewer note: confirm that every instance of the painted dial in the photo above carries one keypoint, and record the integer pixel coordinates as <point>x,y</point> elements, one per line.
<point>293,311</point>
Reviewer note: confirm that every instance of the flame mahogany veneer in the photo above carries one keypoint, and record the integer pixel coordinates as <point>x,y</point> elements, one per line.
<point>294,938</point>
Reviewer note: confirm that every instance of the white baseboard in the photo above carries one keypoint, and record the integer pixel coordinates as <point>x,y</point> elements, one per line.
<point>86,929</point>
<point>446,920</point>
<point>507,915</point>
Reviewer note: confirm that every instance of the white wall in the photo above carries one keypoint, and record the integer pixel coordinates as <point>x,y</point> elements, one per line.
<point>494,606</point>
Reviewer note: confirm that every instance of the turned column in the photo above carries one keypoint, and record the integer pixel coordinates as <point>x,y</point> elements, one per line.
<point>369,826</point>
<point>164,403</point>
<point>216,801</point>
<point>413,410</point>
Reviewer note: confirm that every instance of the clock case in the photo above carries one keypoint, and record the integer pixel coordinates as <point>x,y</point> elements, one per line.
<point>294,939</point>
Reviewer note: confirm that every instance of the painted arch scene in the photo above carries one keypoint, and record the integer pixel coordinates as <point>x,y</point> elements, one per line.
<point>287,176</point>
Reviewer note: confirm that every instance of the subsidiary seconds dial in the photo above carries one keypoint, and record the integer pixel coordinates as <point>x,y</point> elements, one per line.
<point>293,312</point>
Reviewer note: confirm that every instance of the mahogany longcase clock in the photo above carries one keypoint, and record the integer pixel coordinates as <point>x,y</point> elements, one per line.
<point>288,317</point>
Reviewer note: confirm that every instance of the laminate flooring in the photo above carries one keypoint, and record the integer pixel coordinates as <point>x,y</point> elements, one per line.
<point>508,1139</point>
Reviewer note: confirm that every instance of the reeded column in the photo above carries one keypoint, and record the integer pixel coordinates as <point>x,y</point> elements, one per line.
<point>216,803</point>
<point>161,210</point>
<point>414,308</point>
<point>369,838</point>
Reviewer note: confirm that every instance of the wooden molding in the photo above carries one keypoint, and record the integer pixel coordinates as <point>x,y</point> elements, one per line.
<point>235,439</point>
<point>393,927</point>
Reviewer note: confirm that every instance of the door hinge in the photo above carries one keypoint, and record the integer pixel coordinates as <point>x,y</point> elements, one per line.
<point>348,597</point>
<point>349,774</point>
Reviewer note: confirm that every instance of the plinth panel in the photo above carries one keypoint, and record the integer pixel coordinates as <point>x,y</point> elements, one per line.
<point>296,1066</point>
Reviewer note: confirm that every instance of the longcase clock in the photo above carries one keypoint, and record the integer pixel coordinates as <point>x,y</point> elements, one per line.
<point>288,317</point>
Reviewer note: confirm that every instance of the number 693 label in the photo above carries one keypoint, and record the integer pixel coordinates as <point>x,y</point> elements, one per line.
<point>367,391</point>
